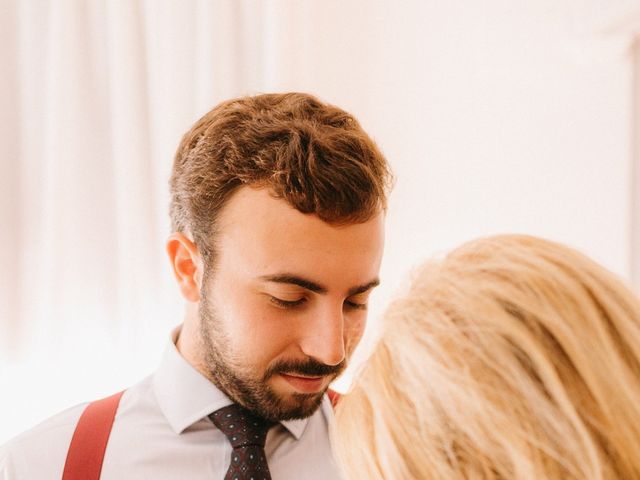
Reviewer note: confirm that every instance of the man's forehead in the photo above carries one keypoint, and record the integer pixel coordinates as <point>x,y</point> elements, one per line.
<point>255,212</point>
<point>251,203</point>
<point>261,236</point>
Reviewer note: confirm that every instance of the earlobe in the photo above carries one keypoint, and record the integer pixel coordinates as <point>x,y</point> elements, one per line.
<point>187,265</point>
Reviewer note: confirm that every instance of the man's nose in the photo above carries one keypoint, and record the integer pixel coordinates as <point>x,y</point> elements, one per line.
<point>324,337</point>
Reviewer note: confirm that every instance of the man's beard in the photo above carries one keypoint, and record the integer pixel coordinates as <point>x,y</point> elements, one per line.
<point>254,392</point>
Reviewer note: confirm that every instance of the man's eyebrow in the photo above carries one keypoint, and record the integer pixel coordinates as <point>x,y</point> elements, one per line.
<point>295,280</point>
<point>314,287</point>
<point>364,288</point>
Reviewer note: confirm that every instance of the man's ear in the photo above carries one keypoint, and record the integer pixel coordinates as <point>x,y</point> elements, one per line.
<point>187,265</point>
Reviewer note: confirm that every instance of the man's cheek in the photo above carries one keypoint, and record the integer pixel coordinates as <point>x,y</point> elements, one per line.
<point>353,335</point>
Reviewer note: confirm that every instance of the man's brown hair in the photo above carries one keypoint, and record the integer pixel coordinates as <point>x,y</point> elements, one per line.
<point>313,155</point>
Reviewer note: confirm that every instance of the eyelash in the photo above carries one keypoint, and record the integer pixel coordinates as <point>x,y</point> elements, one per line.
<point>356,306</point>
<point>286,303</point>
<point>296,303</point>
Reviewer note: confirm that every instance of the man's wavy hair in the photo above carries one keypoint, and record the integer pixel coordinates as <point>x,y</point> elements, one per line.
<point>313,155</point>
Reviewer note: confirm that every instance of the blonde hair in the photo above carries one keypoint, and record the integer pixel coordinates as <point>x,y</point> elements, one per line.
<point>514,357</point>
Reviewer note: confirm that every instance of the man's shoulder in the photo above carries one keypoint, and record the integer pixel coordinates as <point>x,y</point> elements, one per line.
<point>41,451</point>
<point>59,425</point>
<point>43,447</point>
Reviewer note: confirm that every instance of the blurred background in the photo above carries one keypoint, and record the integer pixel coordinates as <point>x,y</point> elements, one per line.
<point>497,116</point>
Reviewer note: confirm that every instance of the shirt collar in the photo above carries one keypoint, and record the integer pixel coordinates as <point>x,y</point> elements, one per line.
<point>185,396</point>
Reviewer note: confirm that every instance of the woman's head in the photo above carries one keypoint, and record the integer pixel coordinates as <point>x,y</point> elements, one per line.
<point>514,357</point>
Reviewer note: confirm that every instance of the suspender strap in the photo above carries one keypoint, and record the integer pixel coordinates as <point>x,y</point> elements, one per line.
<point>334,397</point>
<point>90,438</point>
<point>89,441</point>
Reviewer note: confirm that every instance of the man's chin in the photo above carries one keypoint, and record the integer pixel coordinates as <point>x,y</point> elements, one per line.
<point>296,406</point>
<point>292,403</point>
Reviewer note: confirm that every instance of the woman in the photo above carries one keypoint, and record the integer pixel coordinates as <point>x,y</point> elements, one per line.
<point>512,358</point>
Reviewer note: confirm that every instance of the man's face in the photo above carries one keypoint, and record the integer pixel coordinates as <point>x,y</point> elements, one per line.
<point>285,303</point>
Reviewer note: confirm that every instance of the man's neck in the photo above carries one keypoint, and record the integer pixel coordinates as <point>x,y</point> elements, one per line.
<point>186,342</point>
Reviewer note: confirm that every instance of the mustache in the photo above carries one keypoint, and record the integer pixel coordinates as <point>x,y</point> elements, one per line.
<point>309,368</point>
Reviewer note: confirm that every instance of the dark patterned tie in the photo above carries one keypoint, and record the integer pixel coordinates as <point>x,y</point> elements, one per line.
<point>247,434</point>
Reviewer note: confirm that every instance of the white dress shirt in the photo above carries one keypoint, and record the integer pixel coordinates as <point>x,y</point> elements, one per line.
<point>162,432</point>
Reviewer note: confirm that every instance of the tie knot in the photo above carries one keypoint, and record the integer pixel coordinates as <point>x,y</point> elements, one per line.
<point>240,426</point>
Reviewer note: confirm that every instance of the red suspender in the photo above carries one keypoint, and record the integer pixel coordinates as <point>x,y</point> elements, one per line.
<point>333,397</point>
<point>89,441</point>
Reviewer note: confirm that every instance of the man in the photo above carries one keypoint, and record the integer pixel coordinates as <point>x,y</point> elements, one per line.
<point>277,211</point>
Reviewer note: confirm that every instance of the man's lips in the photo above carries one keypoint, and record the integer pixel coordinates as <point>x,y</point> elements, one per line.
<point>304,384</point>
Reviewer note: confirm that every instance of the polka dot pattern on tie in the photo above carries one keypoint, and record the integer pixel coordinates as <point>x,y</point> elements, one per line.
<point>247,434</point>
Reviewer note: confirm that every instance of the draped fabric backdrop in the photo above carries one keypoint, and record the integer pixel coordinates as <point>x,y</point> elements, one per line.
<point>495,116</point>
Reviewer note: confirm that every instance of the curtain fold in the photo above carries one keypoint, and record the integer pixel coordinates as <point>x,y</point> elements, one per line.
<point>11,261</point>
<point>96,97</point>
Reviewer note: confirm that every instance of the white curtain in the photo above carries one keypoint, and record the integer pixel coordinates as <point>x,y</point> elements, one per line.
<point>495,117</point>
<point>98,94</point>
<point>95,96</point>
